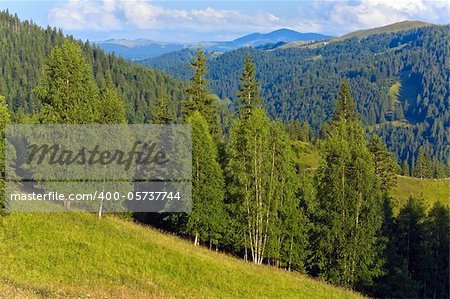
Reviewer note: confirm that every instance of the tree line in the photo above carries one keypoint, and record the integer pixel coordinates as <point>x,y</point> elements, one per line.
<point>252,199</point>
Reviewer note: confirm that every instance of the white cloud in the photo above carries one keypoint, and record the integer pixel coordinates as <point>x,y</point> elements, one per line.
<point>79,15</point>
<point>332,17</point>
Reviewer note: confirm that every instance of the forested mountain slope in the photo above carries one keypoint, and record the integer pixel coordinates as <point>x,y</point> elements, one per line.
<point>399,80</point>
<point>25,46</point>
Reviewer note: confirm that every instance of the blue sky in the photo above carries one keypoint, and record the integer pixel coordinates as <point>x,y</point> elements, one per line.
<point>189,21</point>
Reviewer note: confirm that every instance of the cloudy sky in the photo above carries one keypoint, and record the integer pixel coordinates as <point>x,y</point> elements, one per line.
<point>189,21</point>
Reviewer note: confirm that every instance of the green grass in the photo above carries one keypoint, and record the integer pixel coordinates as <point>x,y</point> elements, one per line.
<point>73,255</point>
<point>429,189</point>
<point>394,93</point>
<point>395,27</point>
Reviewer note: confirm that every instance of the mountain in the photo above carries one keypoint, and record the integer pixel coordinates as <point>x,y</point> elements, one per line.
<point>391,28</point>
<point>142,48</point>
<point>359,34</point>
<point>114,258</point>
<point>24,52</point>
<point>139,48</point>
<point>399,80</point>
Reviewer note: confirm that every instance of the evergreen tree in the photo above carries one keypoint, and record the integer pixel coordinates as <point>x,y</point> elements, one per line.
<point>112,107</point>
<point>437,227</point>
<point>349,213</point>
<point>207,220</point>
<point>395,282</point>
<point>345,104</point>
<point>411,239</point>
<point>421,165</point>
<point>405,168</point>
<point>199,98</point>
<point>384,164</point>
<point>248,95</point>
<point>161,112</point>
<point>67,90</point>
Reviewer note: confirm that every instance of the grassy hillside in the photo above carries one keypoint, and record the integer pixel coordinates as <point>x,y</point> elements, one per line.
<point>431,190</point>
<point>360,34</point>
<point>66,255</point>
<point>395,27</point>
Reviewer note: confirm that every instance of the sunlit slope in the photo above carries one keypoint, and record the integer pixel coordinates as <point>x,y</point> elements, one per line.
<point>67,255</point>
<point>429,189</point>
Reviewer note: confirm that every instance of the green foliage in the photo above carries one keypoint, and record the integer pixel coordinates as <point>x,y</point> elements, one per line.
<point>24,54</point>
<point>112,107</point>
<point>248,95</point>
<point>299,83</point>
<point>199,98</point>
<point>384,164</point>
<point>348,217</point>
<point>4,120</point>
<point>263,189</point>
<point>67,90</point>
<point>207,220</point>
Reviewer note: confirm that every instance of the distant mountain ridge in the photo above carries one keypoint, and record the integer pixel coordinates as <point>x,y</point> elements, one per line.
<point>139,49</point>
<point>363,33</point>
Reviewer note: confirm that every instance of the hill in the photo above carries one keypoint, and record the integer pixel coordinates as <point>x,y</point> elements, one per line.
<point>142,49</point>
<point>429,189</point>
<point>26,46</point>
<point>389,75</point>
<point>71,255</point>
<point>391,28</point>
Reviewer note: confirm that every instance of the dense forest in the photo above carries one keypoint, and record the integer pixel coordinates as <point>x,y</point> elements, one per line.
<point>23,51</point>
<point>251,196</point>
<point>400,81</point>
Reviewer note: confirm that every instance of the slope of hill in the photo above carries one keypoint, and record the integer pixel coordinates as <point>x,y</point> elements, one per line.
<point>71,255</point>
<point>391,28</point>
<point>429,189</point>
<point>360,34</point>
<point>143,49</point>
<point>302,83</point>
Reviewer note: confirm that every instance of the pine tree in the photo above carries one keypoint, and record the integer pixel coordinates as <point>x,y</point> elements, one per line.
<point>248,95</point>
<point>67,90</point>
<point>411,236</point>
<point>207,220</point>
<point>345,104</point>
<point>437,227</point>
<point>112,107</point>
<point>161,112</point>
<point>405,168</point>
<point>421,166</point>
<point>395,282</point>
<point>384,164</point>
<point>199,98</point>
<point>349,212</point>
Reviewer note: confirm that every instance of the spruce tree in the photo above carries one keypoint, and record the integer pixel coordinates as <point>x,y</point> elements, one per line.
<point>207,220</point>
<point>67,90</point>
<point>421,165</point>
<point>349,212</point>
<point>199,97</point>
<point>384,164</point>
<point>437,227</point>
<point>248,95</point>
<point>412,240</point>
<point>112,107</point>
